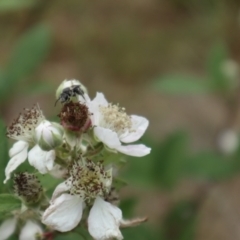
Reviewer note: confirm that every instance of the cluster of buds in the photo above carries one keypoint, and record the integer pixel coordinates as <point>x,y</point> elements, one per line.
<point>75,147</point>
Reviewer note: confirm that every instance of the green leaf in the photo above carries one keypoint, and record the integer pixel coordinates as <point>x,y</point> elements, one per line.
<point>39,88</point>
<point>218,55</point>
<point>71,236</point>
<point>3,152</point>
<point>140,233</point>
<point>168,160</point>
<point>180,222</point>
<point>28,54</point>
<point>8,203</point>
<point>128,206</point>
<point>138,171</point>
<point>178,84</point>
<point>209,165</point>
<point>13,5</point>
<point>48,182</point>
<point>119,183</point>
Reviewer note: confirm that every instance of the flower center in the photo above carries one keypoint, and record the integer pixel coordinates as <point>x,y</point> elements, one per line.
<point>23,127</point>
<point>28,187</point>
<point>115,118</point>
<point>88,179</point>
<point>75,116</point>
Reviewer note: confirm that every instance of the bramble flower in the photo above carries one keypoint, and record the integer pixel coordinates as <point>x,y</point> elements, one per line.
<point>87,181</point>
<point>28,187</point>
<point>86,127</point>
<point>29,231</point>
<point>75,117</point>
<point>7,228</point>
<point>113,127</point>
<point>23,130</point>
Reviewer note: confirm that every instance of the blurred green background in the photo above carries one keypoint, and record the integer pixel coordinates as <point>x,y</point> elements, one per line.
<point>175,62</point>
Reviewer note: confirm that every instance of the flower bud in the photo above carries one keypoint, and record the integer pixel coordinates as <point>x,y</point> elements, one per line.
<point>48,135</point>
<point>31,230</point>
<point>28,187</point>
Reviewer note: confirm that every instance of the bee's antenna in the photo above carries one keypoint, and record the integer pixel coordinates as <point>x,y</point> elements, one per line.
<point>56,101</point>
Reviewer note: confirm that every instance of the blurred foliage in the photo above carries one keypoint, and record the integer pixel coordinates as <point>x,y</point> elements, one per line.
<point>171,160</point>
<point>29,52</point>
<point>8,203</point>
<point>179,223</point>
<point>220,77</point>
<point>13,5</point>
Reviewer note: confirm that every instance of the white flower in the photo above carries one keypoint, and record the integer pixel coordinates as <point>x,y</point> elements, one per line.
<point>28,232</point>
<point>113,126</point>
<point>104,220</point>
<point>48,135</point>
<point>7,228</point>
<point>23,130</point>
<point>87,181</point>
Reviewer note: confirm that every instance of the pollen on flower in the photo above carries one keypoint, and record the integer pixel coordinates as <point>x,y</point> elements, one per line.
<point>27,186</point>
<point>22,128</point>
<point>115,118</point>
<point>75,117</point>
<point>88,179</point>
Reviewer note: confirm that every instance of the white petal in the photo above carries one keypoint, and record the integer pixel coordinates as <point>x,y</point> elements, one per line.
<point>137,150</point>
<point>139,126</point>
<point>104,220</point>
<point>64,213</point>
<point>93,106</point>
<point>58,171</point>
<point>17,148</point>
<point>61,188</point>
<point>85,100</point>
<point>30,230</point>
<point>7,228</point>
<point>107,136</point>
<point>100,99</point>
<point>18,154</point>
<point>42,160</point>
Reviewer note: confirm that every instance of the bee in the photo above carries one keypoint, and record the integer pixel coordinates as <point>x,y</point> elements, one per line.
<point>69,92</point>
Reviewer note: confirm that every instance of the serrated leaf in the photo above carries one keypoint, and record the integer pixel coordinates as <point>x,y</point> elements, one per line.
<point>178,84</point>
<point>8,203</point>
<point>27,55</point>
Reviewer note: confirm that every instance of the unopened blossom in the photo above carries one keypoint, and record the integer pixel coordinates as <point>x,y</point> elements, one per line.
<point>48,135</point>
<point>7,228</point>
<point>30,231</point>
<point>116,129</point>
<point>87,181</point>
<point>23,130</point>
